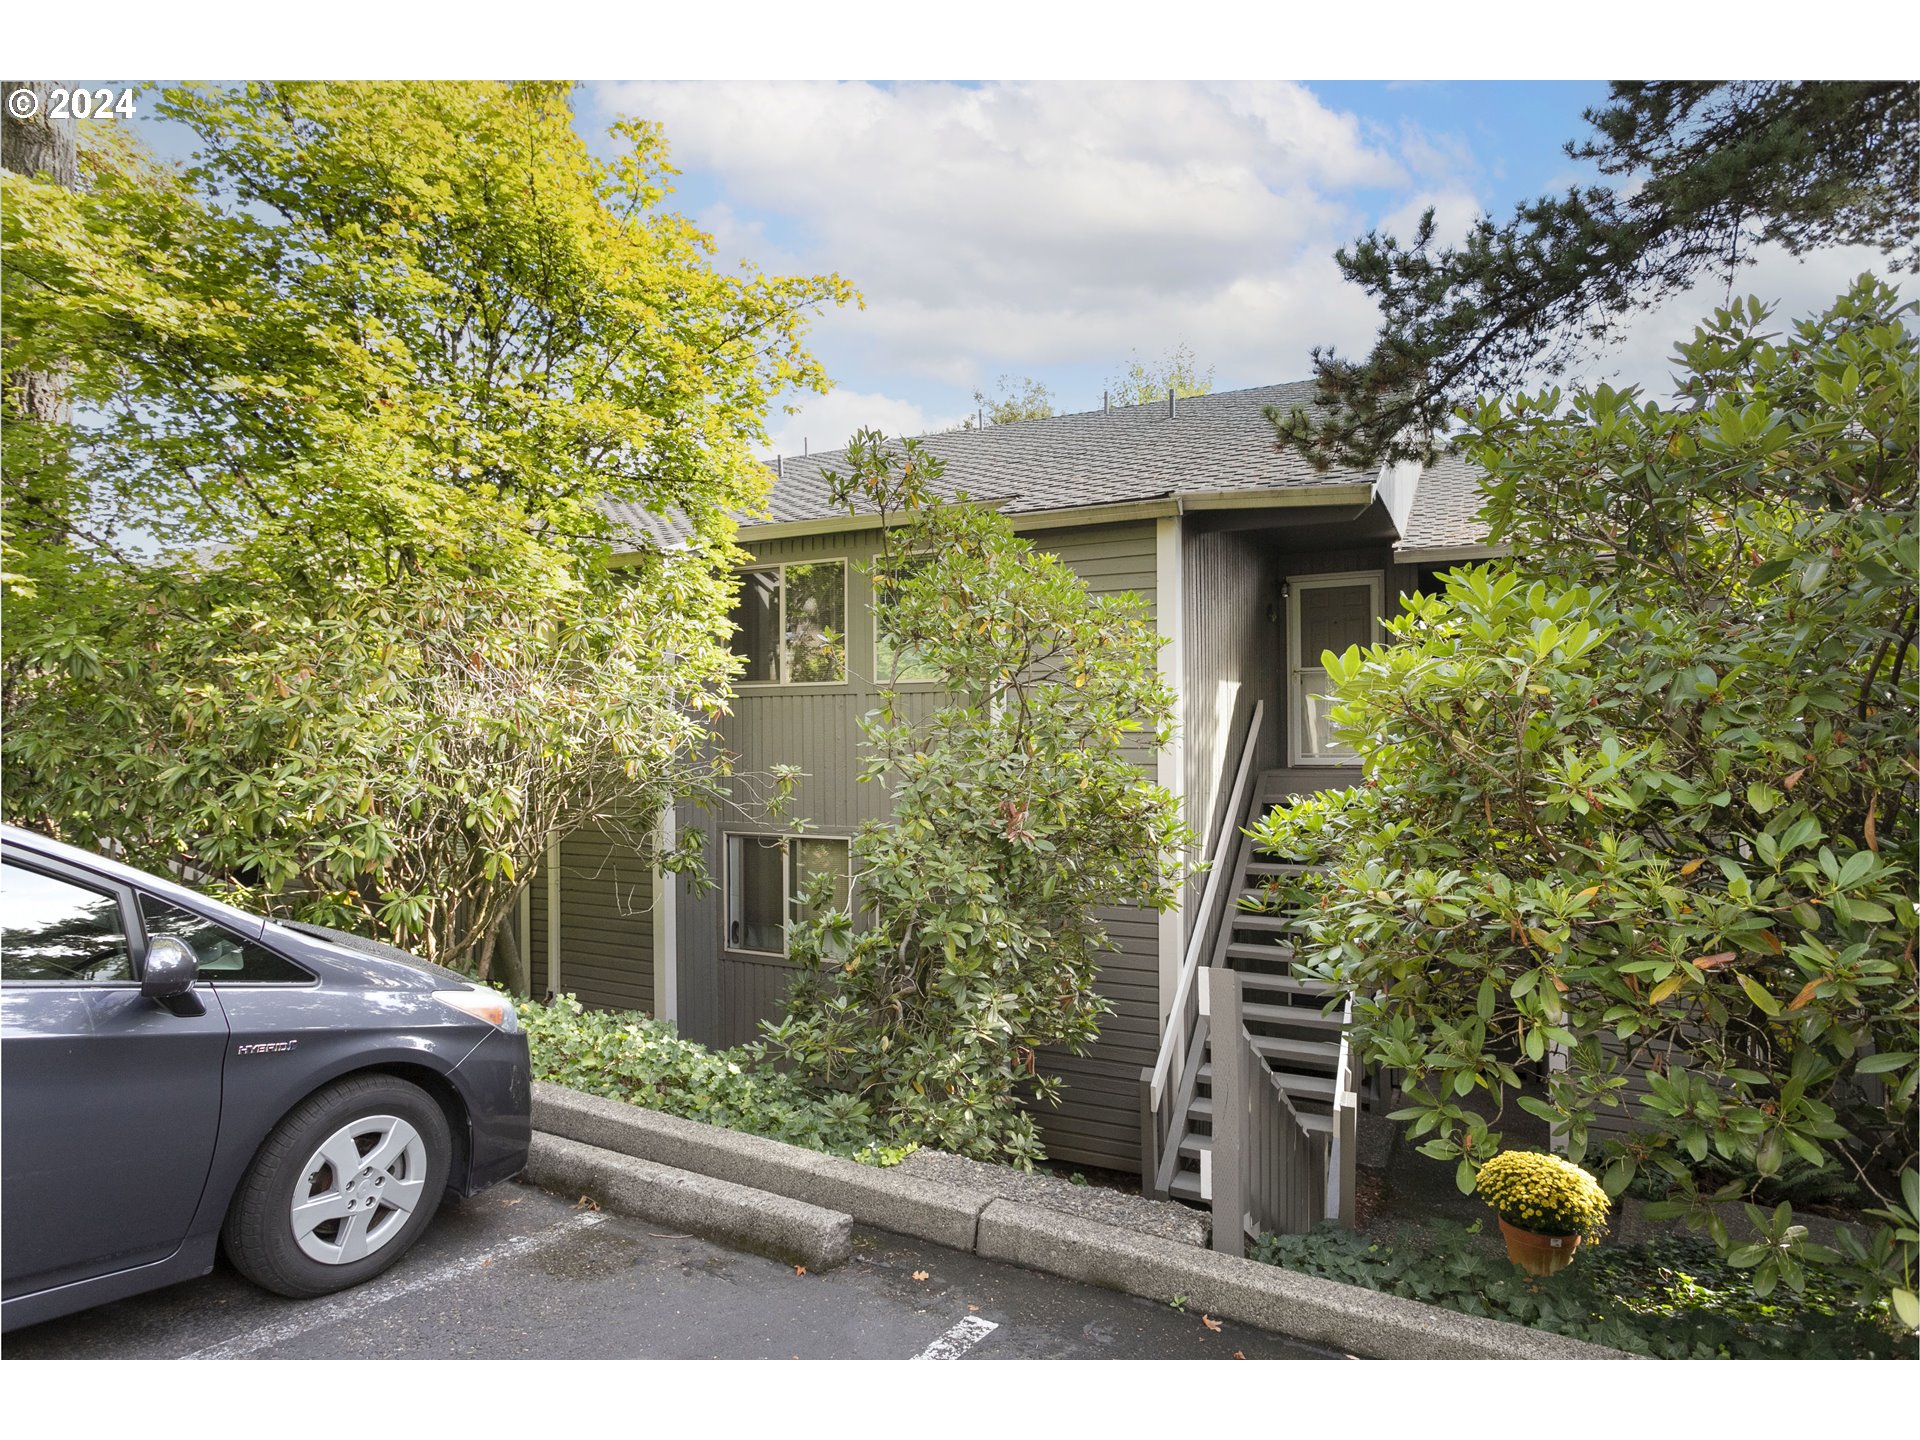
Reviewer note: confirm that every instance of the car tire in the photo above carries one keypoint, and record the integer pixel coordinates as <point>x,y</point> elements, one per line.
<point>341,1189</point>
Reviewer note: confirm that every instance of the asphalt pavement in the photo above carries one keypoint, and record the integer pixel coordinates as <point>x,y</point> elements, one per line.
<point>518,1273</point>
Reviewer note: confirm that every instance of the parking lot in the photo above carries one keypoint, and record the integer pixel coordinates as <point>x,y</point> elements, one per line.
<point>519,1273</point>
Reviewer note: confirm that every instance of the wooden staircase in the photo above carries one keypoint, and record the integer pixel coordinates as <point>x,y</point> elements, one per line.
<point>1284,1015</point>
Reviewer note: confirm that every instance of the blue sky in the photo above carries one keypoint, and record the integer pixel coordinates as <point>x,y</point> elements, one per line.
<point>1053,230</point>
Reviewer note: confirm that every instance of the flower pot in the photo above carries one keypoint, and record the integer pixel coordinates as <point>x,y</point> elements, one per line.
<point>1538,1254</point>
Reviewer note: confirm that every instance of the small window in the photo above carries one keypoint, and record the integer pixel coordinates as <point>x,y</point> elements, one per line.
<point>224,956</point>
<point>790,624</point>
<point>893,664</point>
<point>56,930</point>
<point>768,879</point>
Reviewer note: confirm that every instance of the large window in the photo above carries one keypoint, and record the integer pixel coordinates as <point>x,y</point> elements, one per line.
<point>53,929</point>
<point>790,624</point>
<point>1326,612</point>
<point>893,664</point>
<point>768,880</point>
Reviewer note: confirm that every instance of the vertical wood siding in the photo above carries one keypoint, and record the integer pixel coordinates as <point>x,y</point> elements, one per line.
<point>724,996</point>
<point>606,930</point>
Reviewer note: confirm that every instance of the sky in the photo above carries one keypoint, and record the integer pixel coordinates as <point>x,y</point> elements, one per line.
<point>1059,230</point>
<point>1053,230</point>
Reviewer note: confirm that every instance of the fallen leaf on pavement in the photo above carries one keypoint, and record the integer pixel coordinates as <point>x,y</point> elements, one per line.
<point>799,1269</point>
<point>486,1262</point>
<point>973,1309</point>
<point>586,1202</point>
<point>1210,1322</point>
<point>919,1274</point>
<point>513,1200</point>
<point>1239,1354</point>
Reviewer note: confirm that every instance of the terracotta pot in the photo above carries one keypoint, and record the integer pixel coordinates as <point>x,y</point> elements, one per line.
<point>1538,1254</point>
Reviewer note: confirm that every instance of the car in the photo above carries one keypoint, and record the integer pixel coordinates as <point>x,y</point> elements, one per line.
<point>178,1076</point>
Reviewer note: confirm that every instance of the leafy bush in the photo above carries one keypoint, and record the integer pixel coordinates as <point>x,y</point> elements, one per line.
<point>627,1056</point>
<point>1645,793</point>
<point>1018,811</point>
<point>1674,1299</point>
<point>1543,1193</point>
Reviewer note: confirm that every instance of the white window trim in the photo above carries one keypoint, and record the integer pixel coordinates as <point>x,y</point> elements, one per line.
<point>727,837</point>
<point>846,610</point>
<point>1374,580</point>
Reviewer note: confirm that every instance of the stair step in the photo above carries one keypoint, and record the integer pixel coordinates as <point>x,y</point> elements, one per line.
<point>1277,867</point>
<point>1193,1146</point>
<point>1314,1123</point>
<point>1250,920</point>
<point>1290,1015</point>
<point>1292,984</point>
<point>1185,1185</point>
<point>1298,1052</point>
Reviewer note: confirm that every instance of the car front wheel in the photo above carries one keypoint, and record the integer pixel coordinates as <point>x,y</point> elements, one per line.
<point>341,1188</point>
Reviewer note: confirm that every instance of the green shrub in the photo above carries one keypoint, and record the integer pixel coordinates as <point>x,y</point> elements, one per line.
<point>624,1055</point>
<point>1673,1299</point>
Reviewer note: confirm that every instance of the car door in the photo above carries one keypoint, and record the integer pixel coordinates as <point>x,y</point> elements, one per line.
<point>111,1099</point>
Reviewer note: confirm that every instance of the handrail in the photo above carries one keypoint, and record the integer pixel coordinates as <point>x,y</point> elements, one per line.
<point>1197,940</point>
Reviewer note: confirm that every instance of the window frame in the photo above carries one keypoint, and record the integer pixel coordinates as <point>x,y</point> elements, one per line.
<point>880,681</point>
<point>727,837</point>
<point>846,610</point>
<point>1375,581</point>
<point>131,930</point>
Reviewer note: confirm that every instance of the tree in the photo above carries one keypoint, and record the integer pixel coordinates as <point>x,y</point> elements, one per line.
<point>1704,173</point>
<point>1646,793</point>
<point>1017,813</point>
<point>1015,398</point>
<point>1142,383</point>
<point>327,611</point>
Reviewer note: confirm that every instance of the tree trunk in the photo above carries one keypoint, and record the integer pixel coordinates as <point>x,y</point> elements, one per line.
<point>36,144</point>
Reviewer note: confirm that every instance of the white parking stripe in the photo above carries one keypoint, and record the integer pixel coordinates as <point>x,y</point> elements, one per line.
<point>358,1302</point>
<point>959,1340</point>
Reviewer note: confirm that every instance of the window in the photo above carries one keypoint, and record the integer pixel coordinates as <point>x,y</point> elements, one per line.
<point>768,877</point>
<point>1326,612</point>
<point>223,955</point>
<point>57,930</point>
<point>893,665</point>
<point>790,624</point>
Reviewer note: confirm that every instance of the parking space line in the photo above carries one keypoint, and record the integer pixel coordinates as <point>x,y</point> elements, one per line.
<point>358,1302</point>
<point>959,1340</point>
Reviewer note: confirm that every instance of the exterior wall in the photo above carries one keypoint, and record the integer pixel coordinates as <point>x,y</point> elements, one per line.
<point>606,938</point>
<point>1233,660</point>
<point>723,995</point>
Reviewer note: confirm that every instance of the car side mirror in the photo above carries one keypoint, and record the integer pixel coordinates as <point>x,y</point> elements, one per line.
<point>170,969</point>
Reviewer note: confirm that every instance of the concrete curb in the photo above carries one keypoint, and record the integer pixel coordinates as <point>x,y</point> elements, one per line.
<point>789,1230</point>
<point>1324,1312</point>
<point>884,1199</point>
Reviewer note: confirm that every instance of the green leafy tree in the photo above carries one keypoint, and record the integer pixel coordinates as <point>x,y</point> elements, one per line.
<point>1142,382</point>
<point>1646,793</point>
<point>322,605</point>
<point>1702,172</point>
<point>1015,398</point>
<point>1017,813</point>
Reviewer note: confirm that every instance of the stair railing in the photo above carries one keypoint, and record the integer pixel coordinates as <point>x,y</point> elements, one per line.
<point>1268,1174</point>
<point>1157,1118</point>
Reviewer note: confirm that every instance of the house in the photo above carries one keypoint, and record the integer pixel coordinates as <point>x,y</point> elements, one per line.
<point>1252,564</point>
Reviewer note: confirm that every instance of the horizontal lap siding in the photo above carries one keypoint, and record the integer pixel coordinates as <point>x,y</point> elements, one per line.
<point>724,997</point>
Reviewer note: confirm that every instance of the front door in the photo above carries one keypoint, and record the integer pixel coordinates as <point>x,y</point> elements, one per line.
<point>1326,612</point>
<point>112,1101</point>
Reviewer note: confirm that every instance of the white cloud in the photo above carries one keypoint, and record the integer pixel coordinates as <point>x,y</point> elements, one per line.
<point>1017,226</point>
<point>1794,287</point>
<point>826,422</point>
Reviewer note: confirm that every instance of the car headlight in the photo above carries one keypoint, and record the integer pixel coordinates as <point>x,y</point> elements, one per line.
<point>483,1004</point>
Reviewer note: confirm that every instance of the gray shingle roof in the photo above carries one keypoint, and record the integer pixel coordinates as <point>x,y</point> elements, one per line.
<point>1445,514</point>
<point>1096,457</point>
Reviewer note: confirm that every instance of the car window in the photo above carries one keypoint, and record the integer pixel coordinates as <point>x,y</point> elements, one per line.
<point>52,929</point>
<point>223,955</point>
